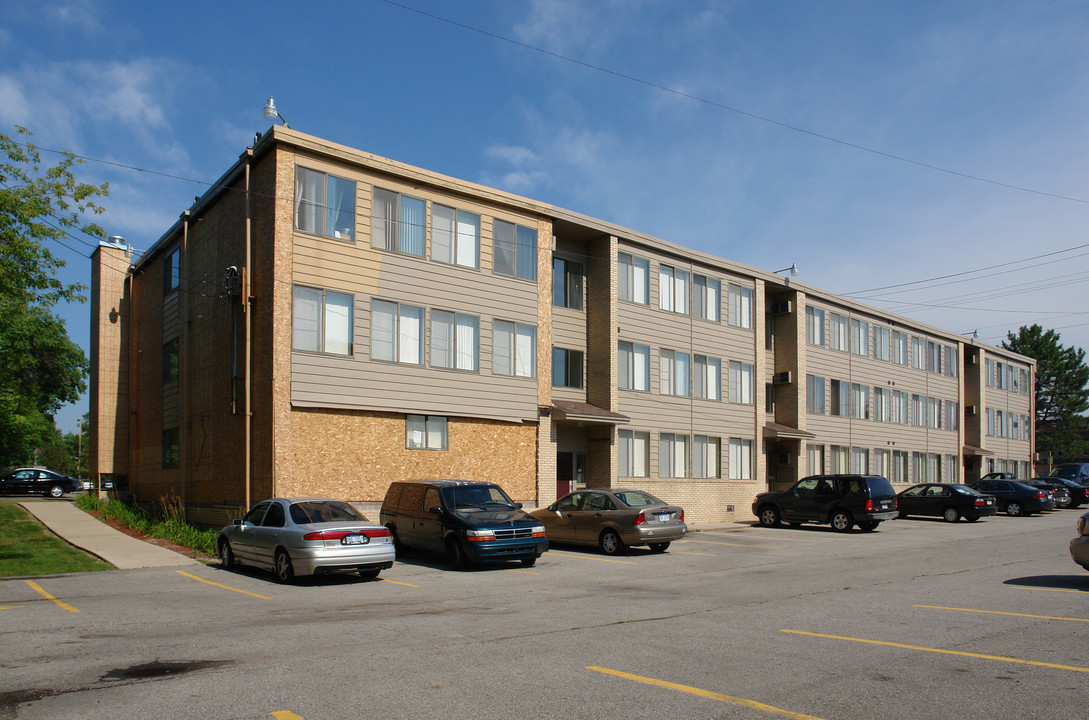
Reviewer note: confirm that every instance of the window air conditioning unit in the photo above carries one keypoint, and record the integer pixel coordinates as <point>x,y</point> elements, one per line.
<point>780,308</point>
<point>971,409</point>
<point>781,378</point>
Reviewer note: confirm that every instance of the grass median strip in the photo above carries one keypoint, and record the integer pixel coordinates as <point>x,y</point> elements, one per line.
<point>28,548</point>
<point>225,587</point>
<point>709,694</point>
<point>959,653</point>
<point>999,612</point>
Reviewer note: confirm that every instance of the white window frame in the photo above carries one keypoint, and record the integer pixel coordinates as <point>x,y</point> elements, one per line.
<point>332,325</point>
<point>634,366</point>
<point>633,453</point>
<point>741,459</point>
<point>742,383</point>
<point>672,289</point>
<point>426,432</point>
<point>740,306</point>
<point>633,283</point>
<point>399,336</point>
<point>463,353</point>
<point>514,349</point>
<point>455,236</point>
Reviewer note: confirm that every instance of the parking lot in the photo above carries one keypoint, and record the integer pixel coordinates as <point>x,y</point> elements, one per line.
<point>921,618</point>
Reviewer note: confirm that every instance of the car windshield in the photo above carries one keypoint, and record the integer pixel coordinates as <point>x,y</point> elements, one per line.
<point>637,498</point>
<point>316,511</point>
<point>1064,472</point>
<point>475,496</point>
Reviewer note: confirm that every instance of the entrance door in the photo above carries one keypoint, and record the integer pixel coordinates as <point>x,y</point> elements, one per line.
<point>565,463</point>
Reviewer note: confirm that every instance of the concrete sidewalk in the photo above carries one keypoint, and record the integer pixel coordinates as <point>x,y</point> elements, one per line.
<point>96,537</point>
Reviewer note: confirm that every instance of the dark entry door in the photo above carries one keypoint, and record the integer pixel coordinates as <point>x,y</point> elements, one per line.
<point>565,464</point>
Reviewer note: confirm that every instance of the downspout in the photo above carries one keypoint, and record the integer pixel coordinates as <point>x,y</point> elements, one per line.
<point>246,311</point>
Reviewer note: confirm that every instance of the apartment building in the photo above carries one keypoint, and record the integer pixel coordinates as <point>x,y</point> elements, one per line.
<point>324,321</point>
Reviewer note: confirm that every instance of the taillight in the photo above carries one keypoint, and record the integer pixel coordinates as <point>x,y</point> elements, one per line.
<point>682,514</point>
<point>339,534</point>
<point>640,519</point>
<point>1041,495</point>
<point>869,506</point>
<point>979,501</point>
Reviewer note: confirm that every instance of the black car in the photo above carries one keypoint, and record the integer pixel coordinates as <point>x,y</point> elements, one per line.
<point>1059,493</point>
<point>840,500</point>
<point>1016,498</point>
<point>38,481</point>
<point>948,501</point>
<point>470,521</point>
<point>1077,472</point>
<point>1079,494</point>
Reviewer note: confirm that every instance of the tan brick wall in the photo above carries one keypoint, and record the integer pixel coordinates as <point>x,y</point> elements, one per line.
<point>109,381</point>
<point>704,501</point>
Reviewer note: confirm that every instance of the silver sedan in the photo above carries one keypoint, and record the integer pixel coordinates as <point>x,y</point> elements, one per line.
<point>306,536</point>
<point>612,520</point>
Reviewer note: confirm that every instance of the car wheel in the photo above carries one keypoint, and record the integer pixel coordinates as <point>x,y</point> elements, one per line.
<point>1014,509</point>
<point>369,573</point>
<point>455,554</point>
<point>769,516</point>
<point>56,491</point>
<point>868,525</point>
<point>226,555</point>
<point>951,514</point>
<point>529,562</point>
<point>610,543</point>
<point>842,521</point>
<point>659,547</point>
<point>285,571</point>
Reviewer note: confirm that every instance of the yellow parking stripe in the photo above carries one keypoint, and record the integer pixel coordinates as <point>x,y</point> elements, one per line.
<point>41,591</point>
<point>705,693</point>
<point>1021,587</point>
<point>10,607</point>
<point>398,583</point>
<point>959,653</point>
<point>591,557</point>
<point>715,542</point>
<point>525,572</point>
<point>285,715</point>
<point>998,612</point>
<point>225,587</point>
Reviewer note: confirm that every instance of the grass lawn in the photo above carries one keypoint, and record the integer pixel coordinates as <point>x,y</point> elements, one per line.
<point>28,548</point>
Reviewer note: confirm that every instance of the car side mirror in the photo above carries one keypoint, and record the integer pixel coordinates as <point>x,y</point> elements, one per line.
<point>236,521</point>
<point>518,505</point>
<point>435,510</point>
<point>551,508</point>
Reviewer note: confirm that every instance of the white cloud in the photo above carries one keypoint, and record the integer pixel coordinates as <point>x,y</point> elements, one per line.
<point>80,14</point>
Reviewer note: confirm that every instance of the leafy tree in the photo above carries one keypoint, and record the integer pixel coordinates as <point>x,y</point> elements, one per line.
<point>1062,389</point>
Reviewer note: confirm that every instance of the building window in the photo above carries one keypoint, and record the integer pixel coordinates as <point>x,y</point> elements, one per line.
<point>170,361</point>
<point>634,279</point>
<point>882,463</point>
<point>706,293</point>
<point>769,398</point>
<point>841,458</point>
<point>918,410</point>
<point>1024,382</point>
<point>742,388</point>
<point>672,455</point>
<point>633,453</point>
<point>634,366</point>
<point>707,378</point>
<point>741,311</point>
<point>672,289</point>
<point>455,340</point>
<point>170,448</point>
<point>674,368</point>
<point>952,469</point>
<point>321,321</point>
<point>860,461</point>
<point>951,361</point>
<point>396,332</point>
<point>398,222</point>
<point>566,284</point>
<point>740,459</point>
<point>838,335</point>
<point>860,401</point>
<point>814,395</point>
<point>990,372</point>
<point>515,250</point>
<point>814,458</point>
<point>918,467</point>
<point>952,415</point>
<point>706,452</point>
<point>934,413</point>
<point>841,398</point>
<point>899,407</point>
<point>566,367</point>
<point>990,421</point>
<point>171,271</point>
<point>882,404</point>
<point>425,432</point>
<point>514,349</point>
<point>900,348</point>
<point>814,326</point>
<point>918,353</point>
<point>881,343</point>
<point>455,236</point>
<point>933,357</point>
<point>324,204</point>
<point>899,466</point>
<point>860,337</point>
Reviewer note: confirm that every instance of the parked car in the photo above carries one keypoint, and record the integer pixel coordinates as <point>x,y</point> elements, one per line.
<point>37,481</point>
<point>841,500</point>
<point>613,520</point>
<point>1079,494</point>
<point>306,536</point>
<point>470,521</point>
<point>945,500</point>
<point>1078,472</point>
<point>1016,498</point>
<point>1059,493</point>
<point>1079,546</point>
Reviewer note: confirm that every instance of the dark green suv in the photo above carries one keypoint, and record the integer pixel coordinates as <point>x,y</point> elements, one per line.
<point>842,501</point>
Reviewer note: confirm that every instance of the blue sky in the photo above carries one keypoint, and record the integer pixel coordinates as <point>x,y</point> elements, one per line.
<point>770,145</point>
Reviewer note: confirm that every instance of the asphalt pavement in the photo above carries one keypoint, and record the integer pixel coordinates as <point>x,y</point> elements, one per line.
<point>96,537</point>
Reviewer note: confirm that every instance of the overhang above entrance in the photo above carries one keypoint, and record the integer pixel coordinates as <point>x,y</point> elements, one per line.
<point>776,430</point>
<point>586,413</point>
<point>972,450</point>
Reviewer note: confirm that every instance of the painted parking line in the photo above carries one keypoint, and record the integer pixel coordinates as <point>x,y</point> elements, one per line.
<point>10,607</point>
<point>285,715</point>
<point>998,612</point>
<point>748,545</point>
<point>591,557</point>
<point>940,651</point>
<point>395,582</point>
<point>524,572</point>
<point>705,693</point>
<point>1023,587</point>
<point>225,587</point>
<point>41,591</point>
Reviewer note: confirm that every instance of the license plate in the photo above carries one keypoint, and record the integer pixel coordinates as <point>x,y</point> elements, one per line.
<point>663,517</point>
<point>354,540</point>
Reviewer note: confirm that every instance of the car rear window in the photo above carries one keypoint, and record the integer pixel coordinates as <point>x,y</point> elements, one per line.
<point>314,512</point>
<point>880,486</point>
<point>637,498</point>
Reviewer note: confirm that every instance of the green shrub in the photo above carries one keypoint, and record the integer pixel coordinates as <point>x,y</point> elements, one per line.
<point>167,523</point>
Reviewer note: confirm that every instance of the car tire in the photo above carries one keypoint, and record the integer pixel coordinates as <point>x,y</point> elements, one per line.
<point>610,542</point>
<point>529,562</point>
<point>455,554</point>
<point>226,555</point>
<point>769,516</point>
<point>1014,508</point>
<point>951,514</point>
<point>285,571</point>
<point>842,521</point>
<point>55,491</point>
<point>868,525</point>
<point>369,573</point>
<point>659,547</point>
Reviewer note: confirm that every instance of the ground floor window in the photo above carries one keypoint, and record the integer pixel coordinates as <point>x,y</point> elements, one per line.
<point>740,459</point>
<point>426,432</point>
<point>672,455</point>
<point>814,458</point>
<point>634,453</point>
<point>705,456</point>
<point>170,448</point>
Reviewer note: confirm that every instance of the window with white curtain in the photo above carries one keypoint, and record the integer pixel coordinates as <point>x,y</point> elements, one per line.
<point>706,452</point>
<point>933,357</point>
<point>881,343</point>
<point>814,458</point>
<point>814,394</point>
<point>398,222</point>
<point>860,461</point>
<point>952,468</point>
<point>901,353</point>
<point>899,467</point>
<point>514,250</point>
<point>918,410</point>
<point>934,413</point>
<point>672,455</point>
<point>321,320</point>
<point>633,453</point>
<point>740,306</point>
<point>860,337</point>
<point>673,289</point>
<point>674,371</point>
<point>899,407</point>
<point>426,432</point>
<point>741,459</point>
<point>841,459</point>
<point>882,462</point>
<point>952,415</point>
<point>514,349</point>
<point>396,332</point>
<point>951,362</point>
<point>918,353</point>
<point>742,388</point>
<point>814,325</point>
<point>634,278</point>
<point>838,331</point>
<point>455,236</point>
<point>707,378</point>
<point>860,401</point>
<point>324,204</point>
<point>706,295</point>
<point>882,404</point>
<point>634,366</point>
<point>454,340</point>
